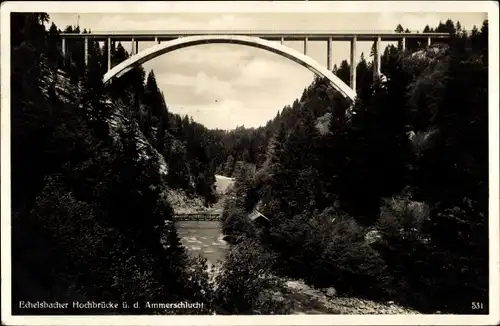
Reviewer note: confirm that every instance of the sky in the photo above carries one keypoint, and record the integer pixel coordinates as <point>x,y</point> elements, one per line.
<point>224,86</point>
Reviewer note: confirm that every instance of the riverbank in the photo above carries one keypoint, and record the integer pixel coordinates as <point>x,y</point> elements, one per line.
<point>306,300</point>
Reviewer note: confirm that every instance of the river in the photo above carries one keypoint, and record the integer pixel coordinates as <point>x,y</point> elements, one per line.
<point>203,238</point>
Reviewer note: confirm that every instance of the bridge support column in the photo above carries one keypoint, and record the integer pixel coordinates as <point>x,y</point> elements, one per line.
<point>282,40</point>
<point>429,41</point>
<point>86,51</point>
<point>353,63</point>
<point>376,60</point>
<point>157,40</point>
<point>403,43</point>
<point>132,47</point>
<point>63,45</point>
<point>329,54</point>
<point>109,54</point>
<point>305,45</point>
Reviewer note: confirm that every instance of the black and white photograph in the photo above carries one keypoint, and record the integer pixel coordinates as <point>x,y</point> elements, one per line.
<point>250,162</point>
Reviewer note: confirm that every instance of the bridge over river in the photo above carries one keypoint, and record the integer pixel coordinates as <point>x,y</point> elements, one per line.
<point>201,233</point>
<point>212,216</point>
<point>200,216</point>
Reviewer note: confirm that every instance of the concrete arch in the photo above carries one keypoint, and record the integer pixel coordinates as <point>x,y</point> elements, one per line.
<point>183,42</point>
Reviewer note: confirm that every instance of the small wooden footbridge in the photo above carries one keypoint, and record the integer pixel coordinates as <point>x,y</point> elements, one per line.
<point>212,216</point>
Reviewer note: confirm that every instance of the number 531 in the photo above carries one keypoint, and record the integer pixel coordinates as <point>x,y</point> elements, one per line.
<point>477,305</point>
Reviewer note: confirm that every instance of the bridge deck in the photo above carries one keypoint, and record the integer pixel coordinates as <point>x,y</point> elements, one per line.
<point>268,35</point>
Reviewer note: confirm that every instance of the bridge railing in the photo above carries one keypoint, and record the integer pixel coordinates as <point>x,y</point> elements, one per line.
<point>266,34</point>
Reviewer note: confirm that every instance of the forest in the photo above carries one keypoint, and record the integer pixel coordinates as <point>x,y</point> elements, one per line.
<point>380,199</point>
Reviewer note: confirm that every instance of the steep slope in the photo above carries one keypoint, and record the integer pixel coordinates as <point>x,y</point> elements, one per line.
<point>366,203</point>
<point>178,199</point>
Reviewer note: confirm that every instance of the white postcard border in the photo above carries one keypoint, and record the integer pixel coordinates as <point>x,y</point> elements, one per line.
<point>490,7</point>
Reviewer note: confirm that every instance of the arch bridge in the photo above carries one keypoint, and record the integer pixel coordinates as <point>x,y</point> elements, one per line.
<point>272,41</point>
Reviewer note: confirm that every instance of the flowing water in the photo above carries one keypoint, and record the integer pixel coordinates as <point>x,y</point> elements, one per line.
<point>203,238</point>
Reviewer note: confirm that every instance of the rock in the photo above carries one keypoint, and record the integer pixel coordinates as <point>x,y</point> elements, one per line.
<point>372,236</point>
<point>323,123</point>
<point>330,292</point>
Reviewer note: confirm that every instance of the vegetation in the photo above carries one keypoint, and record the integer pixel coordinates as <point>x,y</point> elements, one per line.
<point>380,200</point>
